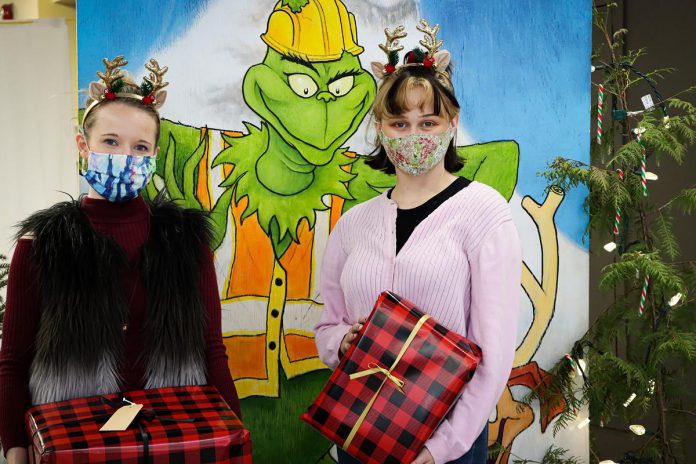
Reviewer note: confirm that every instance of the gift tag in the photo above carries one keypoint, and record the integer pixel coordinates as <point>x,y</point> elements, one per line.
<point>647,101</point>
<point>122,418</point>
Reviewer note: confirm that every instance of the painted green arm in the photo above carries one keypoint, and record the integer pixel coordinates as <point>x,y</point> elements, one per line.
<point>492,163</point>
<point>368,183</point>
<point>176,173</point>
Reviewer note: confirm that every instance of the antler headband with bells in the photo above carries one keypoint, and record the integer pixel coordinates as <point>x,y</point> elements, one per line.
<point>432,57</point>
<point>111,84</point>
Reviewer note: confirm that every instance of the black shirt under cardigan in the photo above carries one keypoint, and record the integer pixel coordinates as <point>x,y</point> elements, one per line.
<point>408,219</point>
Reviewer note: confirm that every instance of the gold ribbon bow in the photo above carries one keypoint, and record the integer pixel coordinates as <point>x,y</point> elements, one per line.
<point>387,376</point>
<point>374,368</point>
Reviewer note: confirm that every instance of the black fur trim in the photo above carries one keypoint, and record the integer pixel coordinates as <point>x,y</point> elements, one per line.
<point>83,307</point>
<point>79,280</point>
<point>170,266</point>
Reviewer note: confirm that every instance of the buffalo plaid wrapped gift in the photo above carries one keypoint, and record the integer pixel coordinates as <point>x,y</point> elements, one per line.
<point>176,425</point>
<point>395,385</point>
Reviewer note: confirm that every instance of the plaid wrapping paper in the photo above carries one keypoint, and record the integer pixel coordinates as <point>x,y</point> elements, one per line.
<point>385,416</point>
<point>176,425</point>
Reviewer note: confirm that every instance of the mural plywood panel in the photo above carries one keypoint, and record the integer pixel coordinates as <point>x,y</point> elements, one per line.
<point>266,127</point>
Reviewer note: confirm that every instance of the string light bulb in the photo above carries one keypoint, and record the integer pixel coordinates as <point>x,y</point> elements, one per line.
<point>583,365</point>
<point>609,247</point>
<point>675,299</point>
<point>637,429</point>
<point>583,423</point>
<point>629,400</point>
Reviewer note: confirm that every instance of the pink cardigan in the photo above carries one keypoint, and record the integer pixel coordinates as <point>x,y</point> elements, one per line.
<point>462,265</point>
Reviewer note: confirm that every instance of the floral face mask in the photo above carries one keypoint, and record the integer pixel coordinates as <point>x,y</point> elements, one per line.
<point>417,154</point>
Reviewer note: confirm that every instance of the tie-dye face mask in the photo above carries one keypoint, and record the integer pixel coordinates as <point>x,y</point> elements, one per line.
<point>417,154</point>
<point>119,177</point>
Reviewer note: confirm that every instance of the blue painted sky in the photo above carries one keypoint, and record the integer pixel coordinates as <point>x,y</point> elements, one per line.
<point>522,71</point>
<point>136,26</point>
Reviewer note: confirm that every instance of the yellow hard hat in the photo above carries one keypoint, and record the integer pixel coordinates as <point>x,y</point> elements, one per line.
<point>321,31</point>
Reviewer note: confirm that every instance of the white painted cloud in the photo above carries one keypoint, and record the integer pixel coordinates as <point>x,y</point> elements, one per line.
<point>207,64</point>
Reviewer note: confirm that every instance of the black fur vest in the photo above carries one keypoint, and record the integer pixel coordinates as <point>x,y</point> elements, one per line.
<point>79,344</point>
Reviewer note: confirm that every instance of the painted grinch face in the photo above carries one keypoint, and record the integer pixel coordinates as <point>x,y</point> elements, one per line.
<point>316,106</point>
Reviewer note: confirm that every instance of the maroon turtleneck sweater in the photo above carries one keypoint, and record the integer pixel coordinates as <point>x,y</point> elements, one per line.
<point>128,224</point>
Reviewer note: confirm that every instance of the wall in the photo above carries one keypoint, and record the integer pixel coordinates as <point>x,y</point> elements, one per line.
<point>54,97</point>
<point>36,122</point>
<point>49,9</point>
<point>37,152</point>
<point>33,9</point>
<point>25,9</point>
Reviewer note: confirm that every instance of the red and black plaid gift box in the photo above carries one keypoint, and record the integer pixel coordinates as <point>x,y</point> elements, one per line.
<point>176,425</point>
<point>395,385</point>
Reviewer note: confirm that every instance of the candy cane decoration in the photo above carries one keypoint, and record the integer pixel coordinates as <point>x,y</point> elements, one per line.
<point>644,294</point>
<point>600,100</point>
<point>617,218</point>
<point>573,371</point>
<point>643,179</point>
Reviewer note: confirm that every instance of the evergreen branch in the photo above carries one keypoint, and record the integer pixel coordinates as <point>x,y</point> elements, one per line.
<point>690,275</point>
<point>566,174</point>
<point>681,344</point>
<point>632,374</point>
<point>552,455</point>
<point>661,274</point>
<point>687,198</point>
<point>682,411</point>
<point>688,108</point>
<point>655,72</point>
<point>599,178</point>
<point>629,154</point>
<point>665,235</point>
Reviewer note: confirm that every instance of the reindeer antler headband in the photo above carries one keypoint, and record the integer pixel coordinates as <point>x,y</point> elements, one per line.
<point>111,85</point>
<point>431,57</point>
